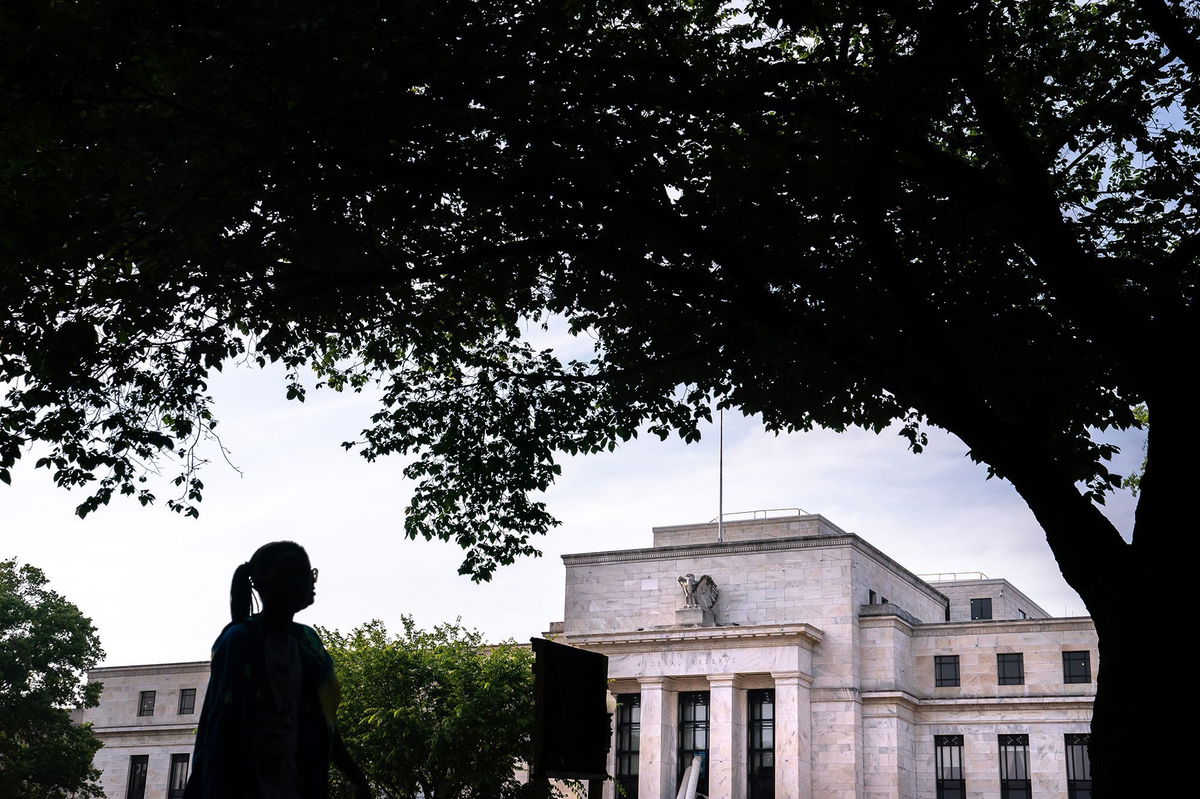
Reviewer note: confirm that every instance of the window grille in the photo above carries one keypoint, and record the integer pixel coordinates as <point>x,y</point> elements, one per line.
<point>1077,666</point>
<point>136,787</point>
<point>629,729</point>
<point>1079,766</point>
<point>761,730</point>
<point>945,671</point>
<point>1010,668</point>
<point>187,701</point>
<point>179,774</point>
<point>146,703</point>
<point>693,735</point>
<point>1014,767</point>
<point>948,765</point>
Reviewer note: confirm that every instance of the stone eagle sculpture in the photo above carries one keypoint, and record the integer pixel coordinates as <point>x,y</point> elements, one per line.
<point>700,593</point>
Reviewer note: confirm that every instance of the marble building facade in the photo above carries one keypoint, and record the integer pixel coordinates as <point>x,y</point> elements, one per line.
<point>146,720</point>
<point>826,669</point>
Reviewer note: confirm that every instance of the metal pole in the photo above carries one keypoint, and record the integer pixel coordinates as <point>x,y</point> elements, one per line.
<point>721,482</point>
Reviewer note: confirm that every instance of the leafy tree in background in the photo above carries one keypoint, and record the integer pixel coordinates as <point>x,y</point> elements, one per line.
<point>46,644</point>
<point>979,216</point>
<point>434,713</point>
<point>1133,480</point>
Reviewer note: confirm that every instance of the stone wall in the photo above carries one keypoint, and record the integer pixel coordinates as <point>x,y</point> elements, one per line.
<point>815,579</point>
<point>903,709</point>
<point>981,727</point>
<point>124,733</point>
<point>1041,642</point>
<point>1007,601</point>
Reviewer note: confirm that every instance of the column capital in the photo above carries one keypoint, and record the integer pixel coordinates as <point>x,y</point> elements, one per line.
<point>725,680</point>
<point>657,681</point>
<point>792,678</point>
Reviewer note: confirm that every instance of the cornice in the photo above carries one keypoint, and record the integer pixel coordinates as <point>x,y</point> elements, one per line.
<point>981,703</point>
<point>983,626</point>
<point>691,638</point>
<point>996,703</point>
<point>146,729</point>
<point>887,616</point>
<point>709,549</point>
<point>148,669</point>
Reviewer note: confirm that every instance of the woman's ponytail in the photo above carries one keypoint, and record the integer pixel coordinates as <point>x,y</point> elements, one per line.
<point>239,593</point>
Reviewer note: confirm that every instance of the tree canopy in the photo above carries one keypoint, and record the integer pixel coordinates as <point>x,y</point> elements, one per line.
<point>974,215</point>
<point>434,713</point>
<point>46,644</point>
<point>827,214</point>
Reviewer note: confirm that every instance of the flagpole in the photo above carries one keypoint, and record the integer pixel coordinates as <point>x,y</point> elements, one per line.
<point>721,482</point>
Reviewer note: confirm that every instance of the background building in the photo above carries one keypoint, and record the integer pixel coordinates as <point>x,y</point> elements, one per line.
<point>826,669</point>
<point>147,719</point>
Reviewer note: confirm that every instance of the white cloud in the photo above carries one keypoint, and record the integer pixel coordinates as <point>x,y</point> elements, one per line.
<point>156,585</point>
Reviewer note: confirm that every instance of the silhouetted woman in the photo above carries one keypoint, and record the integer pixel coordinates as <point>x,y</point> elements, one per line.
<point>267,729</point>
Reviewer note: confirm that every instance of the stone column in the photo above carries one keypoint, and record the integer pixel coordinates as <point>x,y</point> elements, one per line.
<point>610,764</point>
<point>656,761</point>
<point>726,737</point>
<point>793,735</point>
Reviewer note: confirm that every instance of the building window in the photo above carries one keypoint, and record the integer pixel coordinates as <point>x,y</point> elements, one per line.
<point>945,671</point>
<point>138,766</point>
<point>981,609</point>
<point>1014,767</point>
<point>1022,614</point>
<point>1010,668</point>
<point>761,729</point>
<point>948,764</point>
<point>1079,766</point>
<point>693,735</point>
<point>629,736</point>
<point>1077,666</point>
<point>179,775</point>
<point>146,703</point>
<point>187,701</point>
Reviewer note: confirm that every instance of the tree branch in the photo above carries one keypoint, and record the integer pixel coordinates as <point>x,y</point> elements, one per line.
<point>1085,543</point>
<point>1048,237</point>
<point>1091,109</point>
<point>1173,32</point>
<point>1185,252</point>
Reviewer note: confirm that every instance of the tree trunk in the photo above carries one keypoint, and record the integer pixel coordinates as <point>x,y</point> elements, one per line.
<point>1137,743</point>
<point>1129,590</point>
<point>1137,749</point>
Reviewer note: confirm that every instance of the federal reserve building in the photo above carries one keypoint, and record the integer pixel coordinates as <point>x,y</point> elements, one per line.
<point>800,661</point>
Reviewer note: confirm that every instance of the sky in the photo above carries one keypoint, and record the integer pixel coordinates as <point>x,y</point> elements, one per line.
<point>156,585</point>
